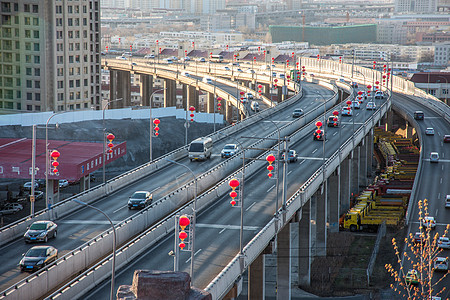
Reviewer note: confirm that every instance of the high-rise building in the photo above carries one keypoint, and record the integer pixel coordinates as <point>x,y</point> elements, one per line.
<point>50,55</point>
<point>415,6</point>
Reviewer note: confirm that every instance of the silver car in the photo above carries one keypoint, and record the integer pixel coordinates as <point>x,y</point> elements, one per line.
<point>41,231</point>
<point>444,242</point>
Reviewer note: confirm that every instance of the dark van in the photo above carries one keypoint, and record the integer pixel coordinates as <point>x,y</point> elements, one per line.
<point>418,115</point>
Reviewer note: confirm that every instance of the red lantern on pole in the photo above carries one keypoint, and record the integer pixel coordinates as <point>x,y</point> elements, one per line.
<point>131,48</point>
<point>233,183</point>
<point>335,113</point>
<point>183,235</point>
<point>219,104</point>
<point>318,56</point>
<point>192,110</point>
<point>156,128</point>
<point>270,159</point>
<point>348,103</point>
<point>106,48</point>
<point>318,124</point>
<point>184,222</point>
<point>110,137</point>
<point>55,155</point>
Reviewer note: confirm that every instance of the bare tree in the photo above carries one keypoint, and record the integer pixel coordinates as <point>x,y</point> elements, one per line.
<point>421,253</point>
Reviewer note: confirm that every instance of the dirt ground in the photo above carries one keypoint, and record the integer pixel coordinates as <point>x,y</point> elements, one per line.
<point>343,271</point>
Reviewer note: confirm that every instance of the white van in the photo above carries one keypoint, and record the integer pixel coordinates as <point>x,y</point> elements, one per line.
<point>207,80</point>
<point>200,149</point>
<point>434,157</point>
<point>254,106</point>
<point>447,201</point>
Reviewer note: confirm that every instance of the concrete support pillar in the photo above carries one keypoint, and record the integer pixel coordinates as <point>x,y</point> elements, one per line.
<point>333,191</point>
<point>363,163</point>
<point>320,198</point>
<point>229,112</point>
<point>304,246</point>
<point>369,149</point>
<point>354,176</point>
<point>170,93</point>
<point>284,263</point>
<point>123,90</point>
<point>85,183</point>
<point>409,130</point>
<point>257,278</point>
<point>279,94</point>
<point>266,88</point>
<point>112,85</point>
<point>210,103</point>
<point>389,120</point>
<point>345,184</point>
<point>146,88</point>
<point>192,96</point>
<point>184,91</point>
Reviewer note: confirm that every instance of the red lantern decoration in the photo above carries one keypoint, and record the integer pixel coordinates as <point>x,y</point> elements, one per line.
<point>348,102</point>
<point>233,194</point>
<point>234,183</point>
<point>55,164</point>
<point>184,222</point>
<point>55,155</point>
<point>270,168</point>
<point>182,245</point>
<point>369,87</point>
<point>360,93</point>
<point>110,145</point>
<point>318,131</point>
<point>318,124</point>
<point>192,109</point>
<point>270,159</point>
<point>335,113</point>
<point>233,202</point>
<point>183,235</point>
<point>156,128</point>
<point>335,119</point>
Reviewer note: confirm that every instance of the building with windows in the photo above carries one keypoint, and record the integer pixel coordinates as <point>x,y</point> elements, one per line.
<point>415,6</point>
<point>50,55</point>
<point>442,54</point>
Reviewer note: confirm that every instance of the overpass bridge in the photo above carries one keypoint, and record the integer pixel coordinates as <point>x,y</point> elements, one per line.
<point>311,196</point>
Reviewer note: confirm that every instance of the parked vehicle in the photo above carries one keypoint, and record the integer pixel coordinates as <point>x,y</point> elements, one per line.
<point>441,264</point>
<point>200,149</point>
<point>229,150</point>
<point>41,231</point>
<point>140,199</point>
<point>28,185</point>
<point>38,257</point>
<point>444,242</point>
<point>11,208</point>
<point>418,115</point>
<point>298,112</point>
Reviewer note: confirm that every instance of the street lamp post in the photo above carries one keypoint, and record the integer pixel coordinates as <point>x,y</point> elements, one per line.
<point>113,268</point>
<point>47,161</point>
<point>104,137</point>
<point>194,211</point>
<point>151,123</point>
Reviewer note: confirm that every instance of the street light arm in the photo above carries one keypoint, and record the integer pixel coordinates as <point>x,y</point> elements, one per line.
<point>114,244</point>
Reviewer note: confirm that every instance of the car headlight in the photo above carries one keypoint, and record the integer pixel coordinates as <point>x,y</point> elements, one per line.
<point>26,234</point>
<point>142,202</point>
<point>40,262</point>
<point>43,233</point>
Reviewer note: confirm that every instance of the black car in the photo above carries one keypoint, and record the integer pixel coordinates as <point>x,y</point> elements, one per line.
<point>140,199</point>
<point>319,136</point>
<point>41,231</point>
<point>38,257</point>
<point>331,122</point>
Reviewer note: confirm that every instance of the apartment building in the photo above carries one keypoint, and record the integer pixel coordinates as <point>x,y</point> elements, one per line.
<point>50,54</point>
<point>442,54</point>
<point>415,6</point>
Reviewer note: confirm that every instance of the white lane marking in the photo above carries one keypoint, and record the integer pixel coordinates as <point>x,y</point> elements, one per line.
<point>311,158</point>
<point>225,228</point>
<point>289,172</point>
<point>302,162</point>
<point>441,181</point>
<point>194,255</point>
<point>248,208</point>
<point>357,114</point>
<point>119,209</point>
<point>314,150</point>
<point>88,222</point>
<point>343,125</point>
<point>441,161</point>
<point>221,226</point>
<point>271,188</point>
<point>334,133</point>
<point>151,192</point>
<point>182,174</point>
<point>436,212</point>
<point>439,195</point>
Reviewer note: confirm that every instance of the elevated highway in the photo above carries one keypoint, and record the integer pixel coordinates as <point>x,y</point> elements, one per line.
<point>306,189</point>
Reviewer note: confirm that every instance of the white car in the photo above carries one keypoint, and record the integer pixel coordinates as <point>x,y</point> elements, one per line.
<point>186,74</point>
<point>28,185</point>
<point>434,157</point>
<point>63,183</point>
<point>229,150</point>
<point>379,95</point>
<point>121,57</point>
<point>11,208</point>
<point>356,104</point>
<point>149,56</point>
<point>441,264</point>
<point>429,222</point>
<point>371,105</point>
<point>429,131</point>
<point>346,111</point>
<point>201,59</point>
<point>444,242</point>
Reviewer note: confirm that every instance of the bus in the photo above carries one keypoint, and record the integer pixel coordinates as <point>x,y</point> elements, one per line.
<point>217,58</point>
<point>200,149</point>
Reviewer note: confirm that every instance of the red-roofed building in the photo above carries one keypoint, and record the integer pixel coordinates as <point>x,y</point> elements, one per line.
<point>434,83</point>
